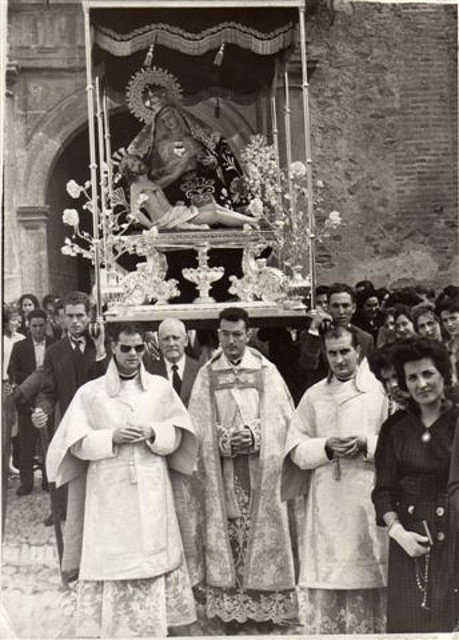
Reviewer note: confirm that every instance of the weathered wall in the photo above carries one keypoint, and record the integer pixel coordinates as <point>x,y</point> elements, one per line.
<point>384,134</point>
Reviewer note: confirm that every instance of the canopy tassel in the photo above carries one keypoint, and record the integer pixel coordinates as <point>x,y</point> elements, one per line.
<point>219,56</point>
<point>149,57</point>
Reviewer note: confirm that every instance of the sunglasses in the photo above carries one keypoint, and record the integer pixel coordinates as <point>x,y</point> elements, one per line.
<point>126,348</point>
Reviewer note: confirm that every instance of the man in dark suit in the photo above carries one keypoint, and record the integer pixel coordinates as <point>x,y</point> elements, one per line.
<point>174,363</point>
<point>69,363</point>
<point>27,356</point>
<point>341,308</point>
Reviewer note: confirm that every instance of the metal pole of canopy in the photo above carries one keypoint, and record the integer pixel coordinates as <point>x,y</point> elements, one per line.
<point>288,149</point>
<point>92,159</point>
<point>108,147</point>
<point>307,141</point>
<point>275,130</point>
<point>102,172</point>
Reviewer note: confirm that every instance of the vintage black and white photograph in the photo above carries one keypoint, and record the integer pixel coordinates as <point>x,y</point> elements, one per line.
<point>230,285</point>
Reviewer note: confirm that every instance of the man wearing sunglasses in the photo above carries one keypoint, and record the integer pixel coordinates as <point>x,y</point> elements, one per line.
<point>116,443</point>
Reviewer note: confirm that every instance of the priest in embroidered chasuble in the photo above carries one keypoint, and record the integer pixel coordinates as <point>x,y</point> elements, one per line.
<point>240,408</point>
<point>114,446</point>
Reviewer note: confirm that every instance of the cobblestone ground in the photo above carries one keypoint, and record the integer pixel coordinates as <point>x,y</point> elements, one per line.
<point>32,592</point>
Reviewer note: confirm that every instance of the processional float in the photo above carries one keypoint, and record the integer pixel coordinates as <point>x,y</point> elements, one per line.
<point>145,53</point>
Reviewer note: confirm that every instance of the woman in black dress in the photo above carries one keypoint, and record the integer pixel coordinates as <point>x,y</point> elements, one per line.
<point>412,463</point>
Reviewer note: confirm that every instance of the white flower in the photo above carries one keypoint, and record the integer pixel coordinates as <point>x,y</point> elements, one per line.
<point>320,184</point>
<point>73,189</point>
<point>256,208</point>
<point>297,170</point>
<point>152,232</point>
<point>71,217</point>
<point>67,251</point>
<point>141,199</point>
<point>335,218</point>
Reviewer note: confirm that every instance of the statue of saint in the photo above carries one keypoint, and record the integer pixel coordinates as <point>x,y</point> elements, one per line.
<point>192,164</point>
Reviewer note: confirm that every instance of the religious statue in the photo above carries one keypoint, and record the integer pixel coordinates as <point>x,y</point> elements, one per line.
<point>150,206</point>
<point>193,165</point>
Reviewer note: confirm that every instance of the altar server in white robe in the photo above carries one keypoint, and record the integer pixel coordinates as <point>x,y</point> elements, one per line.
<point>114,446</point>
<point>329,457</point>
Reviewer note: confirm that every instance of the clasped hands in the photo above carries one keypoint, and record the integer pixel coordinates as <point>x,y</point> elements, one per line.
<point>347,447</point>
<point>241,441</point>
<point>132,433</point>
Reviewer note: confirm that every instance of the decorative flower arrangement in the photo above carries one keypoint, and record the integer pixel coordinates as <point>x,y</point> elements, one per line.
<point>280,199</point>
<point>114,220</point>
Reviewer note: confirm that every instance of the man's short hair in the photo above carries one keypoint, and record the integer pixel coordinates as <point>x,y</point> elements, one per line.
<point>77,297</point>
<point>37,313</point>
<point>59,305</point>
<point>413,349</point>
<point>336,332</point>
<point>129,328</point>
<point>179,322</point>
<point>341,287</point>
<point>448,304</point>
<point>234,314</point>
<point>47,299</point>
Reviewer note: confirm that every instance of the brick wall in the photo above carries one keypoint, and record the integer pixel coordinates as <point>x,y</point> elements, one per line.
<point>384,128</point>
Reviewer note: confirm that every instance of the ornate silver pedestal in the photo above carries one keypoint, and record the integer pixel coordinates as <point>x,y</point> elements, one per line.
<point>203,276</point>
<point>262,288</point>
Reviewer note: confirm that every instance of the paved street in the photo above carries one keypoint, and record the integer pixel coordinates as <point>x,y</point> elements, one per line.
<point>32,592</point>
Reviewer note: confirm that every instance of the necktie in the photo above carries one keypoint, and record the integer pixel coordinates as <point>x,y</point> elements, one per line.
<point>79,347</point>
<point>176,381</point>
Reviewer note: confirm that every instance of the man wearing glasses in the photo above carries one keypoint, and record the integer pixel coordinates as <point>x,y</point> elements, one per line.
<point>240,407</point>
<point>117,440</point>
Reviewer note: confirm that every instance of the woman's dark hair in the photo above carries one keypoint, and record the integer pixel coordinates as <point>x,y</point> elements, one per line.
<point>405,296</point>
<point>403,310</point>
<point>28,296</point>
<point>414,349</point>
<point>379,359</point>
<point>385,313</point>
<point>383,294</point>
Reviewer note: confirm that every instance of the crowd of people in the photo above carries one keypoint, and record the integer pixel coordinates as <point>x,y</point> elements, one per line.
<point>297,479</point>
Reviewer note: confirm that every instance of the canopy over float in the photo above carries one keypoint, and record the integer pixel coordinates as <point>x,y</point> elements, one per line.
<point>162,58</point>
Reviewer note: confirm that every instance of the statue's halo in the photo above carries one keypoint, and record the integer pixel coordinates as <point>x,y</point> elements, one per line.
<point>157,78</point>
